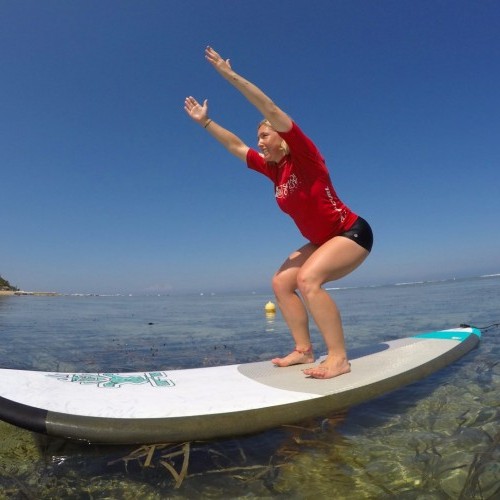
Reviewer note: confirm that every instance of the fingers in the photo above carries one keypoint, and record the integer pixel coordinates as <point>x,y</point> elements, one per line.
<point>215,58</point>
<point>190,102</point>
<point>211,55</point>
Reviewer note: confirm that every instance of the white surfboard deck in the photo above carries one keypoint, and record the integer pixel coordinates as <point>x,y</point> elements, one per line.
<point>222,401</point>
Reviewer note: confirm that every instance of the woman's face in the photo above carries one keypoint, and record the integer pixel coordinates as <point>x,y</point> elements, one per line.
<point>269,143</point>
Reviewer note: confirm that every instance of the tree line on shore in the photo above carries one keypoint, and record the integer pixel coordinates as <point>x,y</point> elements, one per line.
<point>6,286</point>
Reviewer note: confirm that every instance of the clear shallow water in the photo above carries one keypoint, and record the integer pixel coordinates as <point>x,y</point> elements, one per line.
<point>438,438</point>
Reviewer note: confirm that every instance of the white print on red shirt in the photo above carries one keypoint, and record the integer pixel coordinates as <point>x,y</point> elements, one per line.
<point>343,213</point>
<point>283,190</point>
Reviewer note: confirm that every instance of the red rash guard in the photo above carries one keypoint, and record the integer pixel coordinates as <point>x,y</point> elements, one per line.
<point>304,190</point>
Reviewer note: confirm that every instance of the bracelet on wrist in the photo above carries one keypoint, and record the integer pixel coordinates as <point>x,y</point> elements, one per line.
<point>207,123</point>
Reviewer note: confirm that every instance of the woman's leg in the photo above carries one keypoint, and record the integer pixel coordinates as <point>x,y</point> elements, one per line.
<point>333,260</point>
<point>292,308</point>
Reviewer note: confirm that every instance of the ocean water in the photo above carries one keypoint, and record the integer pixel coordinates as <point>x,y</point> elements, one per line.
<point>438,438</point>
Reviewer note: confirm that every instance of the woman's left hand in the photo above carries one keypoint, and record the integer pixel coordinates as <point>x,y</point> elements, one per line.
<point>214,58</point>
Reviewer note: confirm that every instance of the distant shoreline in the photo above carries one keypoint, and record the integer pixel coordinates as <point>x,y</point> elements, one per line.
<point>10,293</point>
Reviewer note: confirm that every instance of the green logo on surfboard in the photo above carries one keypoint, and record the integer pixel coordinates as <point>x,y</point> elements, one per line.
<point>116,380</point>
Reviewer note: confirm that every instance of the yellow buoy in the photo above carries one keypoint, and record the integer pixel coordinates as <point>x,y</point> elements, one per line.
<point>270,307</point>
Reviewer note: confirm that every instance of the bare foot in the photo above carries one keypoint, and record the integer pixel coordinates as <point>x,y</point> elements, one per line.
<point>329,368</point>
<point>296,357</point>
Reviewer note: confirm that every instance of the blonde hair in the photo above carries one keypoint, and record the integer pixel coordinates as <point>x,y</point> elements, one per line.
<point>284,146</point>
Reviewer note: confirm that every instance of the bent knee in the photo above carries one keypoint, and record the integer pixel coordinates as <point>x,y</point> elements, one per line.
<point>308,283</point>
<point>282,284</point>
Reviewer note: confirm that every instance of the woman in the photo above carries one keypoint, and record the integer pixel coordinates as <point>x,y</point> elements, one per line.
<point>339,240</point>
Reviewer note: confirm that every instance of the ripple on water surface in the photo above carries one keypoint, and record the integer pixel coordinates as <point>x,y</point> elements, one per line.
<point>438,438</point>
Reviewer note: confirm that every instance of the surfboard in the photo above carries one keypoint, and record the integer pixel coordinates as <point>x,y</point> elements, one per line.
<point>215,402</point>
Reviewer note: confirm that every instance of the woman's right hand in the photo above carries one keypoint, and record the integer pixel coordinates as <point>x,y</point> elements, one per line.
<point>198,112</point>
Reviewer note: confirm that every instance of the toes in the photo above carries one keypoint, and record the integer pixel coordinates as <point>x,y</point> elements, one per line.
<point>315,372</point>
<point>324,371</point>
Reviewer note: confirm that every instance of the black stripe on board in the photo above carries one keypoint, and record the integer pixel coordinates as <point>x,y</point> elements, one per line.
<point>28,417</point>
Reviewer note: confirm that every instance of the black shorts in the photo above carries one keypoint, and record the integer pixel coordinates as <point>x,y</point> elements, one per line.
<point>361,233</point>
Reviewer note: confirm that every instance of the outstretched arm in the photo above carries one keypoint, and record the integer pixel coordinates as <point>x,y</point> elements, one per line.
<point>280,121</point>
<point>199,113</point>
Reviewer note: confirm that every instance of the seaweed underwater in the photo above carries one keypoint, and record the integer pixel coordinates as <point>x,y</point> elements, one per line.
<point>398,456</point>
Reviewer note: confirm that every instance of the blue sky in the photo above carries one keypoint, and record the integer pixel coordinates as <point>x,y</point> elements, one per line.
<point>107,186</point>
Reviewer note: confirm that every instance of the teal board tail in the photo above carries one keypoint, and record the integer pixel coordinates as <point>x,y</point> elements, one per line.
<point>459,334</point>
